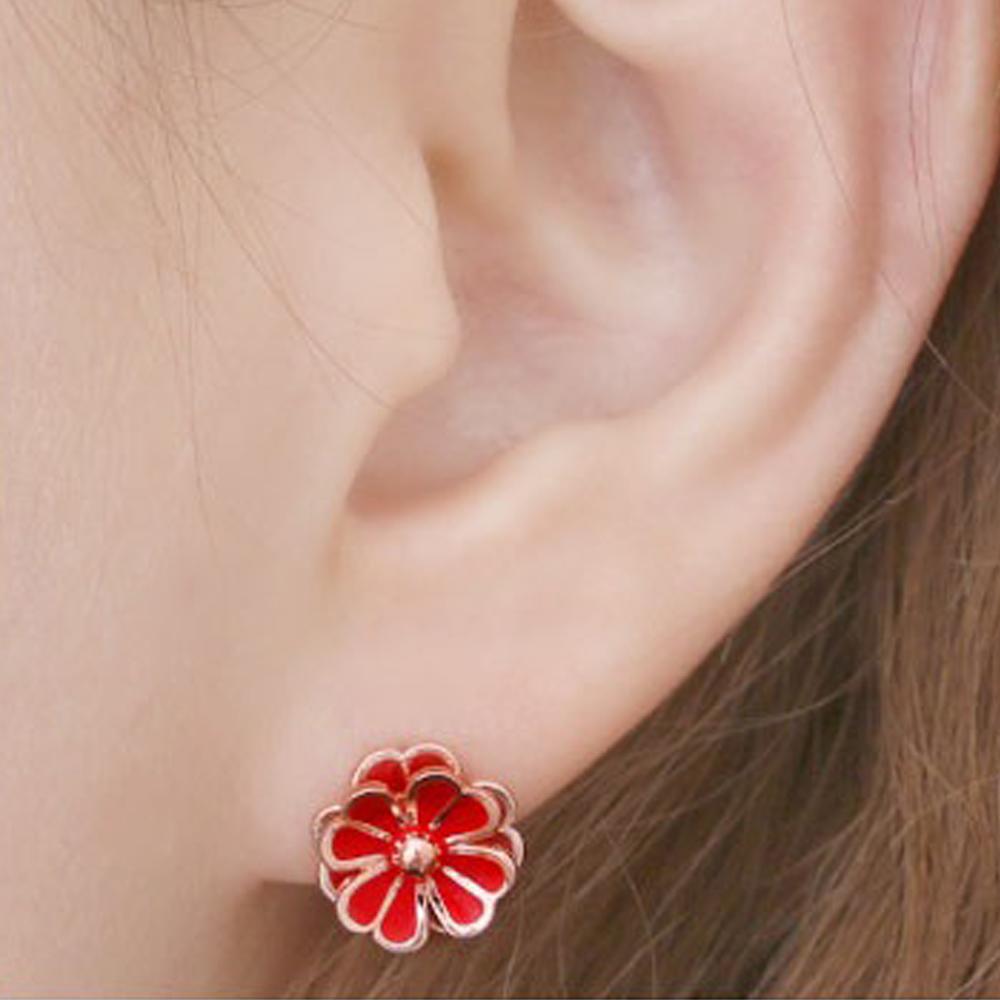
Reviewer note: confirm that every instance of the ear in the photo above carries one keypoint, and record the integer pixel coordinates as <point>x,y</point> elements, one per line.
<point>695,247</point>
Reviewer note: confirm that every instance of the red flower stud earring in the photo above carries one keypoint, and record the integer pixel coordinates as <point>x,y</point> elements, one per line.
<point>417,848</point>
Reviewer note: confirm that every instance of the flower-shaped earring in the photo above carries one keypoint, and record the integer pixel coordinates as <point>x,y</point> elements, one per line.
<point>416,848</point>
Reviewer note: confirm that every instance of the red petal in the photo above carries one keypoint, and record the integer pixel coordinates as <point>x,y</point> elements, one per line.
<point>461,906</point>
<point>331,882</point>
<point>423,756</point>
<point>508,841</point>
<point>348,844</point>
<point>486,872</point>
<point>374,808</point>
<point>362,900</point>
<point>387,770</point>
<point>401,922</point>
<point>503,798</point>
<point>337,879</point>
<point>432,795</point>
<point>472,813</point>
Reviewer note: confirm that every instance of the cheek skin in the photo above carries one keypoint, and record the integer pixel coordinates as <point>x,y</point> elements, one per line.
<point>197,352</point>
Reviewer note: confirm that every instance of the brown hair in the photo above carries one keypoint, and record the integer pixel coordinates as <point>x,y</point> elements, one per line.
<point>817,811</point>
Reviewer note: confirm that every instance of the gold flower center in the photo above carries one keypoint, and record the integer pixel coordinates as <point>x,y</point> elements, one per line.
<point>416,854</point>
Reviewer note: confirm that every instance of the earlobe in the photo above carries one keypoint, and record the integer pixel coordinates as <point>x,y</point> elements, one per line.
<point>532,608</point>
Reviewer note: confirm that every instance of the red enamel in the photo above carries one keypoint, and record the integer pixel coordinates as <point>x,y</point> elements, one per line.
<point>432,796</point>
<point>349,843</point>
<point>401,922</point>
<point>450,889</point>
<point>504,804</point>
<point>337,879</point>
<point>502,842</point>
<point>366,901</point>
<point>375,809</point>
<point>468,815</point>
<point>462,906</point>
<point>388,772</point>
<point>481,869</point>
<point>428,758</point>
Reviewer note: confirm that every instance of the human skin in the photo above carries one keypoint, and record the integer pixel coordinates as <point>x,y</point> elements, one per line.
<point>345,403</point>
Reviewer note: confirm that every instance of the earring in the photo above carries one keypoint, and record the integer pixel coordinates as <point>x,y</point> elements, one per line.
<point>417,848</point>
